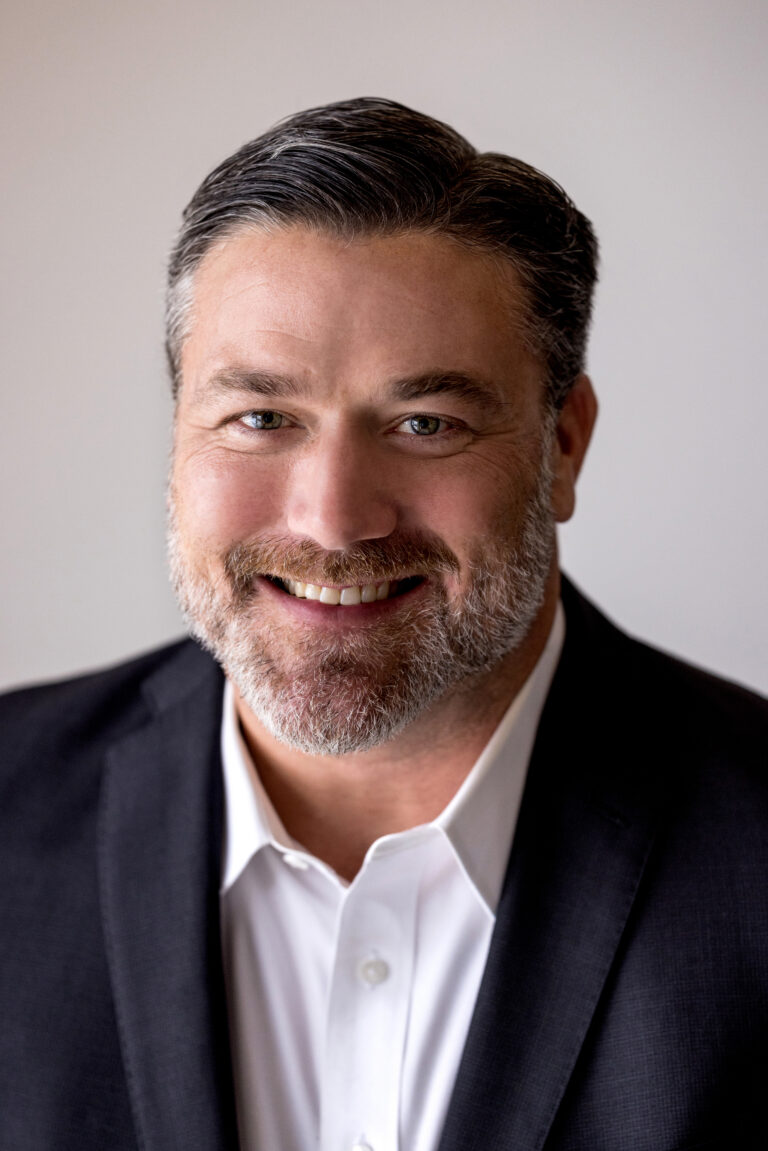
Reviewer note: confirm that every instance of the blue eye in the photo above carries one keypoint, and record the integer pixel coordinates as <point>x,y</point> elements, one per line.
<point>263,421</point>
<point>423,425</point>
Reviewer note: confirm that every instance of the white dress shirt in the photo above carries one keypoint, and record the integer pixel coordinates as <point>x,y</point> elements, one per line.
<point>349,1004</point>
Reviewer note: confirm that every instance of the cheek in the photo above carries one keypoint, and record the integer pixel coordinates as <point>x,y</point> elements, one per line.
<point>469,509</point>
<point>226,501</point>
<point>463,515</point>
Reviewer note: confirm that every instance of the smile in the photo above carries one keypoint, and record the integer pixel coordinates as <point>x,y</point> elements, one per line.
<point>349,596</point>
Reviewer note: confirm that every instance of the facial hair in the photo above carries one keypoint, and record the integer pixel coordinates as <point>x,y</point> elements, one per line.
<point>355,690</point>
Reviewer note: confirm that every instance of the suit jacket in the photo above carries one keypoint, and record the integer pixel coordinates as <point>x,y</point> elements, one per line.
<point>624,1006</point>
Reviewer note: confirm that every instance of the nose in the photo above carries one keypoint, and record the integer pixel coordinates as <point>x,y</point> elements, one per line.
<point>340,493</point>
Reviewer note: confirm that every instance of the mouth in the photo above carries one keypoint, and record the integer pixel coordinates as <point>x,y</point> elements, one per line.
<point>349,595</point>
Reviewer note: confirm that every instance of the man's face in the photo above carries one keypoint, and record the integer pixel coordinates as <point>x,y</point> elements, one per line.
<point>363,418</point>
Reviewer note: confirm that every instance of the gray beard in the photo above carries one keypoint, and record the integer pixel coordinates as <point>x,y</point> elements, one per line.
<point>333,695</point>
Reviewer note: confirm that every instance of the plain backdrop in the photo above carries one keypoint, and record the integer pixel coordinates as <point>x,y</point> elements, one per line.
<point>653,117</point>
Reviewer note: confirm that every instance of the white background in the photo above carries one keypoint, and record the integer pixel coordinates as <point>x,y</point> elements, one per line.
<point>653,117</point>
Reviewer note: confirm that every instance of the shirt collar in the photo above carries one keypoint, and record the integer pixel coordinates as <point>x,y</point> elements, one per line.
<point>479,822</point>
<point>480,819</point>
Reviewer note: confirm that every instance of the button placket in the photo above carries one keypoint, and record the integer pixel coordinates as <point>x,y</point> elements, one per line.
<point>368,1007</point>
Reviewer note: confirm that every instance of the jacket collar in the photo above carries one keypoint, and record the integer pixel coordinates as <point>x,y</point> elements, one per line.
<point>159,862</point>
<point>585,830</point>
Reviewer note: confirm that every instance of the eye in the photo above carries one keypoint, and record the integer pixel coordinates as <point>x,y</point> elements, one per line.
<point>422,425</point>
<point>263,421</point>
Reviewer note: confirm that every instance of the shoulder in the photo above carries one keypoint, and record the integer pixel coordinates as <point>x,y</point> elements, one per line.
<point>49,723</point>
<point>672,727</point>
<point>638,677</point>
<point>656,742</point>
<point>55,741</point>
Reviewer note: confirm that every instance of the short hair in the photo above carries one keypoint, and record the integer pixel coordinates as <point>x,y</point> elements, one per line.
<point>374,167</point>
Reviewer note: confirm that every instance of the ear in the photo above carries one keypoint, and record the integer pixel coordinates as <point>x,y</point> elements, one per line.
<point>574,431</point>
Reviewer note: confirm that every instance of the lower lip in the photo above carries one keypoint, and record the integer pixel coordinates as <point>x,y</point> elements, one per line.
<point>337,615</point>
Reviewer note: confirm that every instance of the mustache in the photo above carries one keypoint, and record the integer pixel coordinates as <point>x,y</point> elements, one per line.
<point>368,561</point>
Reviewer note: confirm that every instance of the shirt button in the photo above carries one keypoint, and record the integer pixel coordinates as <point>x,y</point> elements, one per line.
<point>295,861</point>
<point>373,972</point>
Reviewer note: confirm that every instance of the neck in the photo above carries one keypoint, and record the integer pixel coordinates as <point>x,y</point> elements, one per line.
<point>337,806</point>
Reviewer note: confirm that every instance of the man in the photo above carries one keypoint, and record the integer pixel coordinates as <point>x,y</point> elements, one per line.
<point>444,860</point>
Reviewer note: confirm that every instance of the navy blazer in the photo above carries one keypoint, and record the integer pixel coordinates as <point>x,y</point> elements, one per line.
<point>624,1005</point>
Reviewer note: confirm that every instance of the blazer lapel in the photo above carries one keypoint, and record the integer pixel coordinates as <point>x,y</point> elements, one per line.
<point>159,863</point>
<point>584,833</point>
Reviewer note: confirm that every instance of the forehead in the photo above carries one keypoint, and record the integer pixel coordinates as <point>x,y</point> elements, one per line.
<point>321,307</point>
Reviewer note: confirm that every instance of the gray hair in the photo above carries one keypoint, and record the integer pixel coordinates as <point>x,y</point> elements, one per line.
<point>373,167</point>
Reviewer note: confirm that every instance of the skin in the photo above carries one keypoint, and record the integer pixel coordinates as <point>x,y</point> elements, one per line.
<point>338,326</point>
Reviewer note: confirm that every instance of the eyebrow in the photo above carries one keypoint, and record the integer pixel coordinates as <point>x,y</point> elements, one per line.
<point>423,385</point>
<point>270,384</point>
<point>459,385</point>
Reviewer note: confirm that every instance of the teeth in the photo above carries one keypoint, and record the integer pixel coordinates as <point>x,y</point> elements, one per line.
<point>346,596</point>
